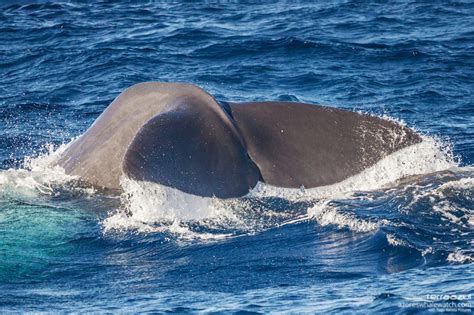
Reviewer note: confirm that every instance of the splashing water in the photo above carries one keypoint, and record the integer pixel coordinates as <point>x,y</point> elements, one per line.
<point>402,230</point>
<point>150,207</point>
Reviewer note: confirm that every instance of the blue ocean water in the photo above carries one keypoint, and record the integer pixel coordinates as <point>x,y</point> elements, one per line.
<point>394,240</point>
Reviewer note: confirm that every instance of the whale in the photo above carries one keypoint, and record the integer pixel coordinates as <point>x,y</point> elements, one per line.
<point>178,135</point>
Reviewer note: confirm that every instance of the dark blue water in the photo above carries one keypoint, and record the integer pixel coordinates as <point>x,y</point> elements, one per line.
<point>391,240</point>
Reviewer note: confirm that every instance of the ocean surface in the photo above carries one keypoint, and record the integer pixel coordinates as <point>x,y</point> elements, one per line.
<point>397,238</point>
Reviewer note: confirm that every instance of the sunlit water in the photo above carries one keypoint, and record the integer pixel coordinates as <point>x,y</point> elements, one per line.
<point>381,241</point>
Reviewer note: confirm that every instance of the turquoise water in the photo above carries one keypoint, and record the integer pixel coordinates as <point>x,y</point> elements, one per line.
<point>394,239</point>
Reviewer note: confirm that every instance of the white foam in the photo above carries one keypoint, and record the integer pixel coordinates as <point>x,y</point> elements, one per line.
<point>150,207</point>
<point>440,198</point>
<point>461,184</point>
<point>149,202</point>
<point>325,214</point>
<point>394,241</point>
<point>443,191</point>
<point>121,222</point>
<point>426,157</point>
<point>459,257</point>
<point>37,176</point>
<point>452,213</point>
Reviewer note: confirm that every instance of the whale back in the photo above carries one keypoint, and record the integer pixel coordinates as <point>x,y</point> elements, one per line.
<point>98,155</point>
<point>295,144</point>
<point>177,135</point>
<point>194,150</point>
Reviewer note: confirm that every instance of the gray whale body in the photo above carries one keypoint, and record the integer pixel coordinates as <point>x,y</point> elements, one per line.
<point>178,135</point>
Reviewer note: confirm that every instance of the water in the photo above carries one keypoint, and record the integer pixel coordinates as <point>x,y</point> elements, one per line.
<point>389,240</point>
